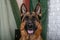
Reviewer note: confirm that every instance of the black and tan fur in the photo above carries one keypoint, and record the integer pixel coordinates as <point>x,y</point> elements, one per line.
<point>31,19</point>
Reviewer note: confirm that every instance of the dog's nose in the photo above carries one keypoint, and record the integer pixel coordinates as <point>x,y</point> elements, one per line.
<point>30,26</point>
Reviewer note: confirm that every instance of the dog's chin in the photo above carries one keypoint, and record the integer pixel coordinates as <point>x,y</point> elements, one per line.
<point>30,32</point>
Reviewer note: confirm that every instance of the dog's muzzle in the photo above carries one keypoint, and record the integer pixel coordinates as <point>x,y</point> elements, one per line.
<point>30,28</point>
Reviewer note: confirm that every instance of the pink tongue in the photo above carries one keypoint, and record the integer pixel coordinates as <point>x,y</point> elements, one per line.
<point>30,31</point>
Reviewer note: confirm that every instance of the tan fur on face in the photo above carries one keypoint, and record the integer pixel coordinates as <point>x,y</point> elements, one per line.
<point>23,32</point>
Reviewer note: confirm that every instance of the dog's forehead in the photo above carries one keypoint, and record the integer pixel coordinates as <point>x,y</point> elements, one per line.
<point>27,14</point>
<point>30,14</point>
<point>33,13</point>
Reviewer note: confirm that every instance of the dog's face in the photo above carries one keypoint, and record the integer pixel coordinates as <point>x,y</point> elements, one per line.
<point>30,18</point>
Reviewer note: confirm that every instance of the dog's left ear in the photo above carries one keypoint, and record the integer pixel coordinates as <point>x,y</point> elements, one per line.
<point>38,10</point>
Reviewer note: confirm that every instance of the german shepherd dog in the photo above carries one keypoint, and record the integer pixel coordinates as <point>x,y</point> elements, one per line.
<point>30,27</point>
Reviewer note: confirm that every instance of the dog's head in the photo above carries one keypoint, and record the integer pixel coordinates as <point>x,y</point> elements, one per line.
<point>30,18</point>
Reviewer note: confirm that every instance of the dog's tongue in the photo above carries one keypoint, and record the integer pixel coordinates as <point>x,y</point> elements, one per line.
<point>30,31</point>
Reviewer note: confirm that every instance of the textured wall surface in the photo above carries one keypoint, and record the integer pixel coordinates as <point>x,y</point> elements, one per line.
<point>54,20</point>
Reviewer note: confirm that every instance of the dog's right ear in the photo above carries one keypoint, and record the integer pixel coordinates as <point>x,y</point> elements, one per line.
<point>23,9</point>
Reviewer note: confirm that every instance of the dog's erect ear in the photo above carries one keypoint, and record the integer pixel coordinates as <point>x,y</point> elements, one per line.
<point>23,9</point>
<point>38,10</point>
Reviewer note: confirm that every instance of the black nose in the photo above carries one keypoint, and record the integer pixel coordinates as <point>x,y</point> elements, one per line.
<point>30,26</point>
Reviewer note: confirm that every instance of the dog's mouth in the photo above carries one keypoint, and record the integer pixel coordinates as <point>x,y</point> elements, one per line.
<point>30,29</point>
